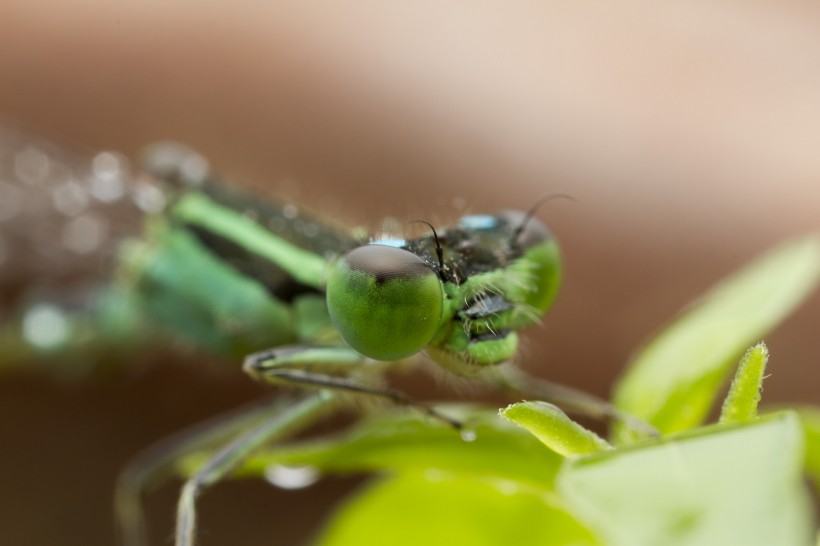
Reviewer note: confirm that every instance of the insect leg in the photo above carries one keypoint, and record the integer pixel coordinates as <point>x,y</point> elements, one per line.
<point>281,425</point>
<point>332,368</point>
<point>156,464</point>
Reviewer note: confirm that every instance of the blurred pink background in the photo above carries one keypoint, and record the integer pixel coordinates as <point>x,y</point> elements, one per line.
<point>688,133</point>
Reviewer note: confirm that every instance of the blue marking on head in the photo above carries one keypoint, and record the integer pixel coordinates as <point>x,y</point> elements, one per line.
<point>478,221</point>
<point>397,243</point>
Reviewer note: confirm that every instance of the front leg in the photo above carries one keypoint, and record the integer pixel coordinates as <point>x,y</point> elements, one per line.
<point>331,370</point>
<point>159,463</point>
<point>250,427</point>
<point>338,369</point>
<point>225,461</point>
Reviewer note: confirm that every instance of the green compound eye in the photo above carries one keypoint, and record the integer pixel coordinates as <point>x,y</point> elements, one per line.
<point>386,302</point>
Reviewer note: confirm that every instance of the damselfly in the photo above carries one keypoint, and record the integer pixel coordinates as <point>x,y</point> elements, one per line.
<point>302,301</point>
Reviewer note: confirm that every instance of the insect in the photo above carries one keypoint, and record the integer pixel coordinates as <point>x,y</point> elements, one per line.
<point>297,299</point>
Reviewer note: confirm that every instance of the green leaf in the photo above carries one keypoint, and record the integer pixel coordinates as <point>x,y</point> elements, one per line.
<point>740,405</point>
<point>719,485</point>
<point>404,441</point>
<point>810,417</point>
<point>435,508</point>
<point>552,426</point>
<point>674,379</point>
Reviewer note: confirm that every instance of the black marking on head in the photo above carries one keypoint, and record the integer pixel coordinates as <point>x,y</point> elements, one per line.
<point>489,336</point>
<point>469,250</point>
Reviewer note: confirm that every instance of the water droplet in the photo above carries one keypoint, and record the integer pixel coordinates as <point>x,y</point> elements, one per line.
<point>70,198</point>
<point>176,163</point>
<point>84,234</point>
<point>31,166</point>
<point>148,197</point>
<point>290,211</point>
<point>45,326</point>
<point>291,477</point>
<point>106,182</point>
<point>468,434</point>
<point>194,169</point>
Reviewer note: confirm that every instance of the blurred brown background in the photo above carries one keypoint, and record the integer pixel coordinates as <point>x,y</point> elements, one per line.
<point>689,133</point>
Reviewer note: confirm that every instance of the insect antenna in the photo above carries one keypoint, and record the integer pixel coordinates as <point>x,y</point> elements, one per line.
<point>531,212</point>
<point>439,251</point>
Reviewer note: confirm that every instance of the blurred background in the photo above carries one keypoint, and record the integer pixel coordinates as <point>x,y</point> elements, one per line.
<point>688,133</point>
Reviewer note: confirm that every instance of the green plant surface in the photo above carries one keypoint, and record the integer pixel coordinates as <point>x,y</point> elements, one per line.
<point>674,379</point>
<point>406,442</point>
<point>440,509</point>
<point>555,430</point>
<point>719,485</point>
<point>810,417</point>
<point>740,405</point>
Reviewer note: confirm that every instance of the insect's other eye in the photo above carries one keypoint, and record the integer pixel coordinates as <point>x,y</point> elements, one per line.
<point>386,302</point>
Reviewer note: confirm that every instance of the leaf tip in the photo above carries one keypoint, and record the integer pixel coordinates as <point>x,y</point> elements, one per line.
<point>740,405</point>
<point>554,429</point>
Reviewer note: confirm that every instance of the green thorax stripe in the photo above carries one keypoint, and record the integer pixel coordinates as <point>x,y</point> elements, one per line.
<point>199,211</point>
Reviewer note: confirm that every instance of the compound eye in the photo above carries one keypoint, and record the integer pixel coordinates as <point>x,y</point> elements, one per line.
<point>386,302</point>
